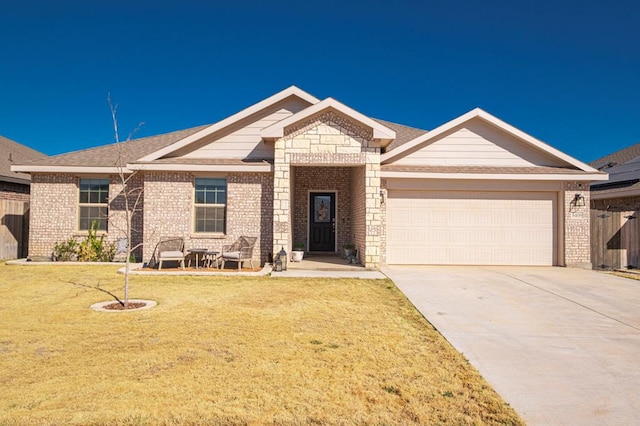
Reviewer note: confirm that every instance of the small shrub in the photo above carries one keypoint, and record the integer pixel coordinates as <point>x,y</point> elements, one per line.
<point>95,249</point>
<point>66,251</point>
<point>92,249</point>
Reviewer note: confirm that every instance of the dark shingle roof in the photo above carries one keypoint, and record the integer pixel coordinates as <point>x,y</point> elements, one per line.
<point>11,153</point>
<point>404,133</point>
<point>617,158</point>
<point>623,167</point>
<point>107,155</point>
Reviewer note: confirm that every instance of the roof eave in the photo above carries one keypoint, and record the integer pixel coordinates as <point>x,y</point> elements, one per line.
<point>496,176</point>
<point>248,168</point>
<point>68,169</point>
<point>11,179</point>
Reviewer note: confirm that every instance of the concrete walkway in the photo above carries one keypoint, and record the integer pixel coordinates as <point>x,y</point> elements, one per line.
<point>561,345</point>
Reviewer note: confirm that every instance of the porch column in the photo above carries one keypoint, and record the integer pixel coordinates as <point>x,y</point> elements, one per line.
<point>281,199</point>
<point>373,214</point>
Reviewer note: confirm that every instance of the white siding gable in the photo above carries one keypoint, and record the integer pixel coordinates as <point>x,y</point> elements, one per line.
<point>243,140</point>
<point>477,143</point>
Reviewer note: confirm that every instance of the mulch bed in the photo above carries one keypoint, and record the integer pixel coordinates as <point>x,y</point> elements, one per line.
<point>117,306</point>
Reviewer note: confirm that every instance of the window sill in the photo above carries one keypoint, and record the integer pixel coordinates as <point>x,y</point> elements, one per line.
<point>206,236</point>
<point>86,233</point>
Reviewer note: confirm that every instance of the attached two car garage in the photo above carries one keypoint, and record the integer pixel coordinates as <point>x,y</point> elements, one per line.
<point>472,227</point>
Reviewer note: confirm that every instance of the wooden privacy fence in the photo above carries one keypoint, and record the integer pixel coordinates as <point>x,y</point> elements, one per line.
<point>615,242</point>
<point>14,229</point>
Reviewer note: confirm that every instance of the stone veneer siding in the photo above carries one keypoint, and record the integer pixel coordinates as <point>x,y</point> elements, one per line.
<point>169,211</point>
<point>329,139</point>
<point>318,179</point>
<point>577,244</point>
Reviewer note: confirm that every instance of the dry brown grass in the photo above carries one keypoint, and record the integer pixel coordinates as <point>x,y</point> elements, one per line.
<point>227,351</point>
<point>632,275</point>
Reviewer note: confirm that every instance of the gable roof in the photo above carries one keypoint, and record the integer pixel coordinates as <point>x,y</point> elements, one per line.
<point>11,153</point>
<point>431,136</point>
<point>396,140</point>
<point>380,131</point>
<point>105,158</point>
<point>253,109</point>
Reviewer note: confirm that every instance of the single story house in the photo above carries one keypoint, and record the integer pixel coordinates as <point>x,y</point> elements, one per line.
<point>14,198</point>
<point>615,209</point>
<point>293,168</point>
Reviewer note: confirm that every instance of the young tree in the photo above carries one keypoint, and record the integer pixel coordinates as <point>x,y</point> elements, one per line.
<point>129,198</point>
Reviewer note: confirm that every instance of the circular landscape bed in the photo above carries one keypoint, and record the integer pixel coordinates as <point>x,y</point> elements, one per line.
<point>115,306</point>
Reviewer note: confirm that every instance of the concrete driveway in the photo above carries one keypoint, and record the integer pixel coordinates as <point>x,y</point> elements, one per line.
<point>561,345</point>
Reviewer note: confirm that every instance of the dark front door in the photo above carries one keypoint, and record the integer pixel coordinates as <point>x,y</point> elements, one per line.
<point>322,221</point>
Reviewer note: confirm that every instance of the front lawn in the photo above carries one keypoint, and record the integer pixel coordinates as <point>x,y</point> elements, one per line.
<point>218,350</point>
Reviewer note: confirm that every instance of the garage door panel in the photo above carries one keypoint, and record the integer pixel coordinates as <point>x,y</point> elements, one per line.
<point>457,227</point>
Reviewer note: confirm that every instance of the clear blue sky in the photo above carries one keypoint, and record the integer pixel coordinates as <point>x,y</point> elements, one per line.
<point>566,72</point>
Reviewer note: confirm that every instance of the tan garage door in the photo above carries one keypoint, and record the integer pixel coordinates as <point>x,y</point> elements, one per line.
<point>471,228</point>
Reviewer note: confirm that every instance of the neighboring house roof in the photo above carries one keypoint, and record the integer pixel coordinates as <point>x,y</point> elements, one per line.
<point>617,158</point>
<point>14,153</point>
<point>624,174</point>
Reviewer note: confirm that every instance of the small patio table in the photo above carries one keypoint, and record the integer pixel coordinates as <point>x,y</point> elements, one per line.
<point>196,252</point>
<point>212,257</point>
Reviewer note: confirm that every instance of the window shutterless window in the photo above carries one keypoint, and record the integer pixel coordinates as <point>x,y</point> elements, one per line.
<point>210,205</point>
<point>94,204</point>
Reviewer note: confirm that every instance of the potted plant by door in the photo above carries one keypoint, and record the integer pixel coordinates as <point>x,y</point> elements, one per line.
<point>349,249</point>
<point>298,252</point>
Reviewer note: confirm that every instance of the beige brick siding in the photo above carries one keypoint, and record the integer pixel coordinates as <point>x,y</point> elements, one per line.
<point>576,226</point>
<point>53,216</point>
<point>117,212</point>
<point>358,211</point>
<point>169,211</point>
<point>383,225</point>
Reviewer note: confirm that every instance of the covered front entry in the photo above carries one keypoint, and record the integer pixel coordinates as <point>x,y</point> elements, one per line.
<point>323,210</point>
<point>472,227</point>
<point>322,221</point>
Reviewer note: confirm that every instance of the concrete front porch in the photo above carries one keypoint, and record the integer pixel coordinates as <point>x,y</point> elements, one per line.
<point>327,266</point>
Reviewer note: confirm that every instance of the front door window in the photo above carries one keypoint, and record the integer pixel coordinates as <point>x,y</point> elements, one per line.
<point>322,223</point>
